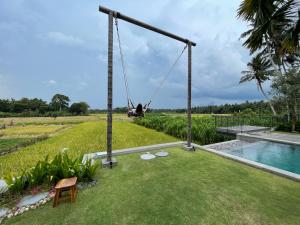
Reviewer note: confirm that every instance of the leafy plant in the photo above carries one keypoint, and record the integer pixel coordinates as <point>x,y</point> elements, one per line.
<point>38,174</point>
<point>62,166</point>
<point>17,184</point>
<point>88,170</point>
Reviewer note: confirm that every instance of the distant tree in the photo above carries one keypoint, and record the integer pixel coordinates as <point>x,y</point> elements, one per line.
<point>247,113</point>
<point>5,105</point>
<point>287,88</point>
<point>259,71</point>
<point>60,102</point>
<point>38,105</point>
<point>79,108</point>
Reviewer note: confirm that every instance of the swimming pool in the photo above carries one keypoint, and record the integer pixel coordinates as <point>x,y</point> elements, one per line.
<point>281,156</point>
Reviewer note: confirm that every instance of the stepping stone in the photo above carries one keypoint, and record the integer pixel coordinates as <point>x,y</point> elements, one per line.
<point>162,154</point>
<point>32,199</point>
<point>3,186</point>
<point>147,156</point>
<point>3,212</point>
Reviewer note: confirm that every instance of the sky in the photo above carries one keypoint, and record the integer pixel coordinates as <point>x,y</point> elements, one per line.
<point>60,46</point>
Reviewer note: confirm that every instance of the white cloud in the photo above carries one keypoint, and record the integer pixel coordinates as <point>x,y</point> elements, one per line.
<point>63,39</point>
<point>52,82</point>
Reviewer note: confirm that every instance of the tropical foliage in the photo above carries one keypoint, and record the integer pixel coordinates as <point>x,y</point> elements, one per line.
<point>287,88</point>
<point>62,166</point>
<point>203,128</point>
<point>274,38</point>
<point>259,71</point>
<point>274,29</point>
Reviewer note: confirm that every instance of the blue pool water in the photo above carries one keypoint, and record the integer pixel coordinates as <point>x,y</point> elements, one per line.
<point>282,156</point>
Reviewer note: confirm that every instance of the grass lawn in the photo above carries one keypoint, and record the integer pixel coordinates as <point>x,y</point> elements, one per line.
<point>83,138</point>
<point>184,188</point>
<point>8,143</point>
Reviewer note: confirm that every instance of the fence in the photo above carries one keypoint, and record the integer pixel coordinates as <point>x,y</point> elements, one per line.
<point>240,124</point>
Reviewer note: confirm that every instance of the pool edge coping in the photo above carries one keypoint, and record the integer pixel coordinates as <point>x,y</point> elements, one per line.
<point>257,165</point>
<point>253,138</point>
<point>103,154</point>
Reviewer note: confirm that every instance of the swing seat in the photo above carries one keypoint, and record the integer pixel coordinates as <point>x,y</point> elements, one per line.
<point>136,112</point>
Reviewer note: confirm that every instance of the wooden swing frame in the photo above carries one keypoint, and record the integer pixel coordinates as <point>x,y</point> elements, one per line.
<point>114,14</point>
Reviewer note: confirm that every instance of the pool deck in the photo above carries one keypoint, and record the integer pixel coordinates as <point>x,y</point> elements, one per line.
<point>284,138</point>
<point>242,129</point>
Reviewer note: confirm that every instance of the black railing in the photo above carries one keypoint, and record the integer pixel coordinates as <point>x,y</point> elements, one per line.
<point>239,123</point>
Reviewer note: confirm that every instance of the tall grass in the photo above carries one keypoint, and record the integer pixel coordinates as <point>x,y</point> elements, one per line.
<point>203,128</point>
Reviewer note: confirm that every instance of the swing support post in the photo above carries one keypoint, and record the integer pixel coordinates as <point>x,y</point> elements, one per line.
<point>110,161</point>
<point>189,99</point>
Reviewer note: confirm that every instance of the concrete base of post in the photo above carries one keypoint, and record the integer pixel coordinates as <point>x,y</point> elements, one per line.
<point>188,148</point>
<point>109,164</point>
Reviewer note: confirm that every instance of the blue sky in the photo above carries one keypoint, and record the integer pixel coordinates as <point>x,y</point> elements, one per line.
<point>49,47</point>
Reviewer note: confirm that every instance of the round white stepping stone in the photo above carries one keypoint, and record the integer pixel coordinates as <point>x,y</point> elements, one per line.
<point>3,212</point>
<point>162,154</point>
<point>32,199</point>
<point>3,186</point>
<point>147,156</point>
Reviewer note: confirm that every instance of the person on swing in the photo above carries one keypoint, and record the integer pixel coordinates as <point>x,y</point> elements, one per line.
<point>137,111</point>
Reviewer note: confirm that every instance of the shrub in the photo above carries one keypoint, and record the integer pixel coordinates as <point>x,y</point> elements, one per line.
<point>203,128</point>
<point>62,166</point>
<point>288,127</point>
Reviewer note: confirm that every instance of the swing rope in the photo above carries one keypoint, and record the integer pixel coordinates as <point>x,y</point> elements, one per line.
<point>129,102</point>
<point>165,76</point>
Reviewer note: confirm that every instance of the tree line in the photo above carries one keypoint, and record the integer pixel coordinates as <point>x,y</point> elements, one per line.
<point>58,106</point>
<point>259,107</point>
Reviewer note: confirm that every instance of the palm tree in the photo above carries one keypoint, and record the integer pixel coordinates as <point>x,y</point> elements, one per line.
<point>270,20</point>
<point>259,71</point>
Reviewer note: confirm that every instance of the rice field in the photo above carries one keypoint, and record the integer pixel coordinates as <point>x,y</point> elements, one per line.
<point>11,142</point>
<point>58,120</point>
<point>31,130</point>
<point>82,138</point>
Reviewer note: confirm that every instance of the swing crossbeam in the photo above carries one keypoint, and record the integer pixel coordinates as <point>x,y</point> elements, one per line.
<point>144,25</point>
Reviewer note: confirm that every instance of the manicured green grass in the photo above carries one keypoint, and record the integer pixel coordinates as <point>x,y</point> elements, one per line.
<point>83,138</point>
<point>12,142</point>
<point>184,188</point>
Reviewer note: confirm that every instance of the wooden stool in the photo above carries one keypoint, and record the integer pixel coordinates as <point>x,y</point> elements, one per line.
<point>65,185</point>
